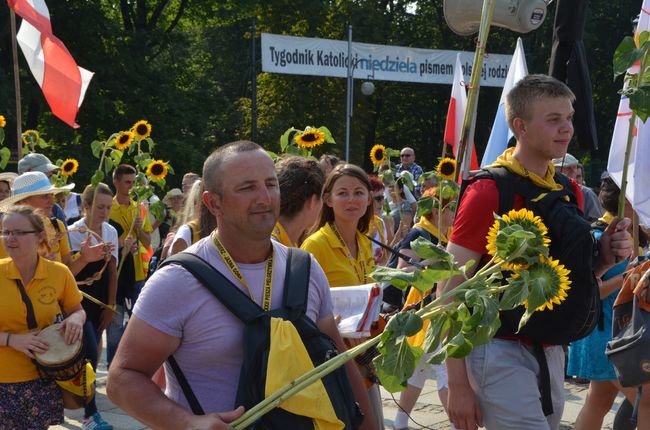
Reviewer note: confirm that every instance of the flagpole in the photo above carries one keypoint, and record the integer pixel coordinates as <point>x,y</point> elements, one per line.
<point>469,122</point>
<point>19,120</point>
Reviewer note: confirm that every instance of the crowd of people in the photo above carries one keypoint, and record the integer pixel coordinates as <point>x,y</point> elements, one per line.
<point>90,261</point>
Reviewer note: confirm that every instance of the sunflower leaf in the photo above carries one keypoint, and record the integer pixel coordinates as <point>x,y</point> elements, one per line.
<point>327,133</point>
<point>170,169</point>
<point>459,346</point>
<point>516,292</point>
<point>97,178</point>
<point>404,324</point>
<point>96,148</point>
<point>427,250</point>
<point>396,363</point>
<point>437,328</point>
<point>284,139</point>
<point>396,277</point>
<point>108,165</point>
<point>5,155</point>
<point>425,206</point>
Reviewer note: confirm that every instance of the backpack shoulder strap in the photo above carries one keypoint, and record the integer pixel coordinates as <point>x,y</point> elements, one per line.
<point>55,224</point>
<point>296,282</point>
<point>505,183</point>
<point>221,287</point>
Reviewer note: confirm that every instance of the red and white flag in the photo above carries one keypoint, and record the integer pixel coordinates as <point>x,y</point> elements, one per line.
<point>638,174</point>
<point>63,83</point>
<point>456,115</point>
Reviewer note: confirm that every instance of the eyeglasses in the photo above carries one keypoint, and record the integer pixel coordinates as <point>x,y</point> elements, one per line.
<point>405,155</point>
<point>16,233</point>
<point>379,198</point>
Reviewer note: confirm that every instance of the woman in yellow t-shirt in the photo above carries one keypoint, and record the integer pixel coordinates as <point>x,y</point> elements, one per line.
<point>28,401</point>
<point>341,247</point>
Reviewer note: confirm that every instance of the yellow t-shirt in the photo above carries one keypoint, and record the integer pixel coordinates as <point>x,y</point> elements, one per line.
<point>280,234</point>
<point>332,255</point>
<point>53,288</point>
<point>124,215</point>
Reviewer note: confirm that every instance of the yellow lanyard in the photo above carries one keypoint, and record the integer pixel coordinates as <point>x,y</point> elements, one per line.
<point>232,266</point>
<point>360,276</point>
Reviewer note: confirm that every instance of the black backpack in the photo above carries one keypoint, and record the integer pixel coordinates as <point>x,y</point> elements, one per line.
<point>572,243</point>
<point>256,339</point>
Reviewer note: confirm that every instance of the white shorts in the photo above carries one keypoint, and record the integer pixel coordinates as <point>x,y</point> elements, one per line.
<point>426,371</point>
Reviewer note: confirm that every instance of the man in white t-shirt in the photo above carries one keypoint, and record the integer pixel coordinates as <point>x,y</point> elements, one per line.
<point>176,315</point>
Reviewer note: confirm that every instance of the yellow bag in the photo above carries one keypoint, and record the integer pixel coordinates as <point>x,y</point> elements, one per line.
<point>73,390</point>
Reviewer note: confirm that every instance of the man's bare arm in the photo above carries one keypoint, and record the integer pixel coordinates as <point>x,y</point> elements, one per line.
<point>463,407</point>
<point>143,349</point>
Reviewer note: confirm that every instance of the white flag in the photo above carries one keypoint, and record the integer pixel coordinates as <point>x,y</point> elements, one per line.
<point>501,134</point>
<point>638,175</point>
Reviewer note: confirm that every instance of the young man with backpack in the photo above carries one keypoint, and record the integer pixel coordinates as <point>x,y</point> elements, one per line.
<point>516,380</point>
<point>213,347</point>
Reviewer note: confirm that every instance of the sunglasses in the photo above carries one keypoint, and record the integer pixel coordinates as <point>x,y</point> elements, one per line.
<point>378,198</point>
<point>405,155</point>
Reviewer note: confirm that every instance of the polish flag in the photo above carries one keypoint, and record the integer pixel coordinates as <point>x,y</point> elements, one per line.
<point>456,114</point>
<point>501,133</point>
<point>63,83</point>
<point>638,174</point>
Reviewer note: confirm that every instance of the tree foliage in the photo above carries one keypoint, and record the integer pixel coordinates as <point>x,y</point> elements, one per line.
<point>185,66</point>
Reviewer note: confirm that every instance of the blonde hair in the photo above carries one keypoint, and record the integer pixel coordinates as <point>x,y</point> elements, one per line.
<point>531,89</point>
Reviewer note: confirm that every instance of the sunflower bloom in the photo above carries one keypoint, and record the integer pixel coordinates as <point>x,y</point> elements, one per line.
<point>30,136</point>
<point>551,279</point>
<point>124,140</point>
<point>310,138</point>
<point>69,167</point>
<point>501,242</point>
<point>447,169</point>
<point>3,121</point>
<point>142,129</point>
<point>157,169</point>
<point>378,155</point>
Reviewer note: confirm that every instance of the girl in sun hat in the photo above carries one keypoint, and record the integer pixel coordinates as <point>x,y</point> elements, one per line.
<point>34,189</point>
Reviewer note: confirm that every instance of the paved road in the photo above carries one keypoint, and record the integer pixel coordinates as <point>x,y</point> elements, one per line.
<point>428,412</point>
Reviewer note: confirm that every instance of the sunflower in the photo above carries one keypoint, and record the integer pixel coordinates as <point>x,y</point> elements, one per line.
<point>69,167</point>
<point>310,138</point>
<point>3,121</point>
<point>30,136</point>
<point>124,140</point>
<point>142,129</point>
<point>447,169</point>
<point>157,169</point>
<point>502,238</point>
<point>550,279</point>
<point>378,155</point>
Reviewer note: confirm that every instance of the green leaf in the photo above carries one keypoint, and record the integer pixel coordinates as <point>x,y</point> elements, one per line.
<point>5,155</point>
<point>640,101</point>
<point>427,250</point>
<point>42,143</point>
<point>96,147</point>
<point>396,277</point>
<point>437,328</point>
<point>396,364</point>
<point>437,272</point>
<point>459,346</point>
<point>273,155</point>
<point>404,324</point>
<point>327,133</point>
<point>97,178</point>
<point>284,139</point>
<point>425,206</point>
<point>466,267</point>
<point>516,292</point>
<point>388,176</point>
<point>407,179</point>
<point>625,56</point>
<point>390,152</point>
<point>2,135</point>
<point>108,165</point>
<point>157,209</point>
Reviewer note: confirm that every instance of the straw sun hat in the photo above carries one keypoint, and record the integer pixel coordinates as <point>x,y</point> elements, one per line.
<point>8,177</point>
<point>31,184</point>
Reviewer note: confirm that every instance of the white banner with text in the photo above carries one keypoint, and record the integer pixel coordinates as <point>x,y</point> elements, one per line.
<point>327,57</point>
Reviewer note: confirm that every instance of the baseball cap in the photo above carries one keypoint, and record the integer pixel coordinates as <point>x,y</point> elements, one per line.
<point>34,162</point>
<point>567,161</point>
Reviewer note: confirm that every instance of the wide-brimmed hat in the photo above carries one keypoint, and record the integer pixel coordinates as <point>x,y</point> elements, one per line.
<point>34,162</point>
<point>8,177</point>
<point>174,192</point>
<point>31,184</point>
